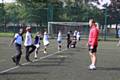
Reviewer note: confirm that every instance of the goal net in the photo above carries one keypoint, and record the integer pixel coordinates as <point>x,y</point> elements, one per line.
<point>64,27</point>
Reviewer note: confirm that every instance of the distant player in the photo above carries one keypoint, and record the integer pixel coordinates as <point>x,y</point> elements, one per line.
<point>37,43</point>
<point>73,42</point>
<point>68,40</point>
<point>78,36</point>
<point>18,39</point>
<point>75,33</point>
<point>59,40</point>
<point>45,41</point>
<point>29,46</point>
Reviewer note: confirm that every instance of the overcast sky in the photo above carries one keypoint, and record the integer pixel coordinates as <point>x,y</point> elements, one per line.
<point>7,1</point>
<point>102,2</point>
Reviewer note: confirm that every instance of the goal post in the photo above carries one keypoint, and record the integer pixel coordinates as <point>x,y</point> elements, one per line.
<point>54,27</point>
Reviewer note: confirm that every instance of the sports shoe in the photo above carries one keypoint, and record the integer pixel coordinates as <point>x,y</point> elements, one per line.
<point>59,49</point>
<point>45,52</point>
<point>18,64</point>
<point>28,60</point>
<point>92,67</point>
<point>35,57</point>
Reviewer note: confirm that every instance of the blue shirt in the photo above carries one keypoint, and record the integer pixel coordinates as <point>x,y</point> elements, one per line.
<point>119,33</point>
<point>18,38</point>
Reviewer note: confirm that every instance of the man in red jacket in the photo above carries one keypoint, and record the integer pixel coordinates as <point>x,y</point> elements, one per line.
<point>93,43</point>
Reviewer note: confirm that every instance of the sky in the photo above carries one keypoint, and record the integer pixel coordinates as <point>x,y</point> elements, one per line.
<point>102,2</point>
<point>7,1</point>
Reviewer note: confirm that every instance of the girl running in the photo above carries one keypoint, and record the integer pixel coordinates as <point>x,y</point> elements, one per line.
<point>37,43</point>
<point>59,40</point>
<point>45,41</point>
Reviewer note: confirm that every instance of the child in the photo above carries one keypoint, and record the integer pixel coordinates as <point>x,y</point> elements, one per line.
<point>18,39</point>
<point>28,44</point>
<point>75,33</point>
<point>45,41</point>
<point>59,40</point>
<point>37,43</point>
<point>78,36</point>
<point>68,40</point>
<point>73,42</point>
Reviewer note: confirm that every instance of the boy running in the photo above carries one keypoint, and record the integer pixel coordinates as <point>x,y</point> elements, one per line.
<point>28,44</point>
<point>18,38</point>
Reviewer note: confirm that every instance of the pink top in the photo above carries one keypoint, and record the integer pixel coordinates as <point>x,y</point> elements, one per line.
<point>93,36</point>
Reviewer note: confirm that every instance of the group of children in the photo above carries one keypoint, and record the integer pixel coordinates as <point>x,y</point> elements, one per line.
<point>73,39</point>
<point>31,46</point>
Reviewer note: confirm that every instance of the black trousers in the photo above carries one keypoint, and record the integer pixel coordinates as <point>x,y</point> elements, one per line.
<point>29,50</point>
<point>68,43</point>
<point>18,53</point>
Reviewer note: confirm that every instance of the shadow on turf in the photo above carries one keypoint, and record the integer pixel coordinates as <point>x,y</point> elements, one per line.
<point>23,73</point>
<point>48,62</point>
<point>109,68</point>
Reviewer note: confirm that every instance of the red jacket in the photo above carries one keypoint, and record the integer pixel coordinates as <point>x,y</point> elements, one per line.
<point>93,36</point>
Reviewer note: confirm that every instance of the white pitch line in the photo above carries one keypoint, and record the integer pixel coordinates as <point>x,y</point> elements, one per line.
<point>4,71</point>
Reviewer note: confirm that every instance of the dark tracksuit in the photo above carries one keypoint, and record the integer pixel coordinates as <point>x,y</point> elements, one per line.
<point>28,51</point>
<point>68,41</point>
<point>18,53</point>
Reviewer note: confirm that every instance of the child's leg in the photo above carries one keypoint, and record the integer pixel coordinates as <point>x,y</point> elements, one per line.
<point>68,43</point>
<point>59,46</point>
<point>45,49</point>
<point>36,52</point>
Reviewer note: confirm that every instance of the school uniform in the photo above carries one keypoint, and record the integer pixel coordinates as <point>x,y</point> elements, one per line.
<point>78,36</point>
<point>37,45</point>
<point>37,41</point>
<point>28,44</point>
<point>18,44</point>
<point>45,39</point>
<point>68,40</point>
<point>59,38</point>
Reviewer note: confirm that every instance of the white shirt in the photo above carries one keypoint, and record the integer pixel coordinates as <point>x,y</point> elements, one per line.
<point>45,38</point>
<point>75,33</point>
<point>59,36</point>
<point>18,39</point>
<point>78,34</point>
<point>28,39</point>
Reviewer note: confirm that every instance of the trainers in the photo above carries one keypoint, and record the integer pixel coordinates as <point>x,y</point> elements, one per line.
<point>92,67</point>
<point>35,57</point>
<point>45,52</point>
<point>28,60</point>
<point>18,64</point>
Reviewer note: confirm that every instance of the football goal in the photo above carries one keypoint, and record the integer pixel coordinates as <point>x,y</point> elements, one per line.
<point>54,27</point>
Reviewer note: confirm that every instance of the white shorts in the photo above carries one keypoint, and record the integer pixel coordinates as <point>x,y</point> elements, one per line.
<point>45,43</point>
<point>37,45</point>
